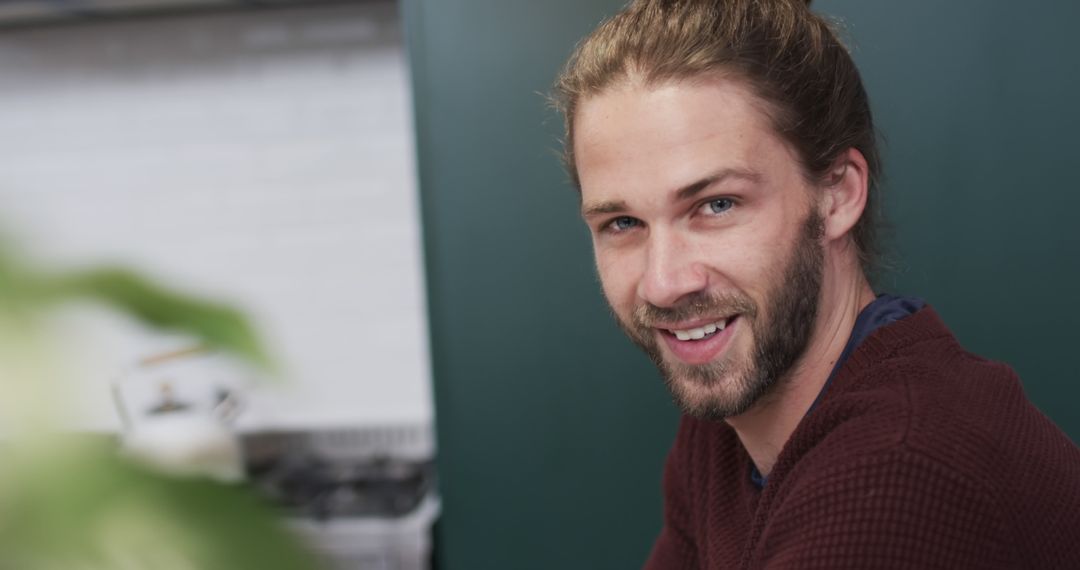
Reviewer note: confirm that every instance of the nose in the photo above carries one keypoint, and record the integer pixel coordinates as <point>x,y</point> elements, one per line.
<point>672,270</point>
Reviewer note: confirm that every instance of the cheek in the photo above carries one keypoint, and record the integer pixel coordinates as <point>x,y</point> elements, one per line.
<point>747,262</point>
<point>617,278</point>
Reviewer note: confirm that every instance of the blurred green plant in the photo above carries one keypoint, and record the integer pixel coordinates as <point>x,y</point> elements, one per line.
<point>27,293</point>
<point>71,502</point>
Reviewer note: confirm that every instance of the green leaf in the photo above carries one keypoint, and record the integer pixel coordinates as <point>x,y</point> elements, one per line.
<point>216,325</point>
<point>81,506</point>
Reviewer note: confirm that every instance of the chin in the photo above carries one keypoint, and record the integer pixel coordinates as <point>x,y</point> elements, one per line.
<point>713,397</point>
<point>718,390</point>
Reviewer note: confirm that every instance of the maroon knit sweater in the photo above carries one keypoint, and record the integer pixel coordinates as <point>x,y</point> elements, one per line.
<point>919,455</point>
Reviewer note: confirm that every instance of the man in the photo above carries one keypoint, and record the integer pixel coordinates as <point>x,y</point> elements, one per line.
<point>726,159</point>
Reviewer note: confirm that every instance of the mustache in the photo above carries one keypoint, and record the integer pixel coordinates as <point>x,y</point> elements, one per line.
<point>692,307</point>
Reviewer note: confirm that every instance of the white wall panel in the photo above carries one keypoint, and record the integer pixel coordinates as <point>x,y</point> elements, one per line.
<point>265,158</point>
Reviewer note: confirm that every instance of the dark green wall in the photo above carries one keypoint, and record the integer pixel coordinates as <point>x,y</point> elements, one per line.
<point>978,102</point>
<point>552,428</point>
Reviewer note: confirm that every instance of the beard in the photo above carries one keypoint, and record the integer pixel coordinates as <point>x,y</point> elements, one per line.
<point>781,333</point>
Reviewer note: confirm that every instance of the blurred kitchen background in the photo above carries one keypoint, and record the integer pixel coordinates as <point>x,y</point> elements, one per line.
<point>260,154</point>
<point>376,185</point>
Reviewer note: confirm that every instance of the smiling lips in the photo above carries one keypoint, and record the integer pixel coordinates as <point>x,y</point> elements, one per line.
<point>701,344</point>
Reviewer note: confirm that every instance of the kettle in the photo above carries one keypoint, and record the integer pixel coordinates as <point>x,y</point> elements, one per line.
<point>180,438</point>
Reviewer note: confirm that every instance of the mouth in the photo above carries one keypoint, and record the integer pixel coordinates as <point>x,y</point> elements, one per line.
<point>702,342</point>
<point>701,332</point>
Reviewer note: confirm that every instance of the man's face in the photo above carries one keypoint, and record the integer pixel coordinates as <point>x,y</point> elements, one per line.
<point>706,235</point>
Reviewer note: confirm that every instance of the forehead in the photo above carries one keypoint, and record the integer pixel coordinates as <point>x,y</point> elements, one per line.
<point>633,136</point>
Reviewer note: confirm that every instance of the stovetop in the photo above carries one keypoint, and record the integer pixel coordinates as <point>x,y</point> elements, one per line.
<point>310,486</point>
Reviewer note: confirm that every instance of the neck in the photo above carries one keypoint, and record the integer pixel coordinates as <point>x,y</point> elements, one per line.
<point>765,428</point>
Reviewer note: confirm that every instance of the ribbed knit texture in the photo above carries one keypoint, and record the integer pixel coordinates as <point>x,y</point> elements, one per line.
<point>919,455</point>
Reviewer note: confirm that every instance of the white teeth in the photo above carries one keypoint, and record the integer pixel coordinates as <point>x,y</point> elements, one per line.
<point>699,332</point>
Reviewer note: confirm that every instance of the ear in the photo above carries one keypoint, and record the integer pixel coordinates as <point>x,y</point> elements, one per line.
<point>845,193</point>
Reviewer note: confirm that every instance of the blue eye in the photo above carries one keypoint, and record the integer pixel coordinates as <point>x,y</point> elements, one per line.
<point>623,223</point>
<point>720,205</point>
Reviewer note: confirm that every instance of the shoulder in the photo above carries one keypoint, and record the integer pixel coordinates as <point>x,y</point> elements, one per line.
<point>925,435</point>
<point>914,384</point>
<point>929,394</point>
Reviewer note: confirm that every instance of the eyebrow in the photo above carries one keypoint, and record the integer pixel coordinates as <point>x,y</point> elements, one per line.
<point>684,193</point>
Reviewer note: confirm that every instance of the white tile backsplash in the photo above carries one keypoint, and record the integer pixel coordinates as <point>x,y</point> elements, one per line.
<point>264,157</point>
